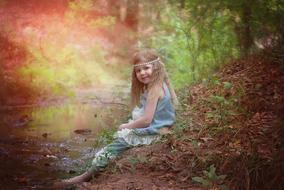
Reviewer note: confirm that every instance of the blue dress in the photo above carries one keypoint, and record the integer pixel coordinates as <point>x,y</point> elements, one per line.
<point>164,115</point>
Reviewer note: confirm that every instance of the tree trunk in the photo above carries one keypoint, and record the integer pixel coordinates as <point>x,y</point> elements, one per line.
<point>244,29</point>
<point>123,10</point>
<point>132,14</point>
<point>182,4</point>
<point>2,87</point>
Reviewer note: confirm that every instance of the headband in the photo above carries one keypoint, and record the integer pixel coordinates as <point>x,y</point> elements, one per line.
<point>149,62</point>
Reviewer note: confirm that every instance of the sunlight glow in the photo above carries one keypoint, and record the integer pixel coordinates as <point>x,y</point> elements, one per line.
<point>65,48</point>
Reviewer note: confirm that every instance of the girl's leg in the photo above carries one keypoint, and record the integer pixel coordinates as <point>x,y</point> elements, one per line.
<point>100,161</point>
<point>109,152</point>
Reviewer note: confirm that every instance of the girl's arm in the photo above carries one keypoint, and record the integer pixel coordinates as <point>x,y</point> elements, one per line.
<point>147,117</point>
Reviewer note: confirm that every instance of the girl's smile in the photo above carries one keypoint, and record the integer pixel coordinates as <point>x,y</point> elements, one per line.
<point>144,73</point>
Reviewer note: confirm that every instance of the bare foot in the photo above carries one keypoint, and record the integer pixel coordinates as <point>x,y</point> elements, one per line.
<point>75,180</point>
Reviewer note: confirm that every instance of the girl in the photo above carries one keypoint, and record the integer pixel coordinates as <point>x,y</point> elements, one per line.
<point>152,98</point>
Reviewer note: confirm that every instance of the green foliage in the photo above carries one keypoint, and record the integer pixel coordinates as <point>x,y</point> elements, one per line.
<point>192,49</point>
<point>227,85</point>
<point>222,106</point>
<point>180,126</point>
<point>194,40</point>
<point>105,137</point>
<point>221,110</point>
<point>252,21</point>
<point>210,179</point>
<point>64,72</point>
<point>198,38</point>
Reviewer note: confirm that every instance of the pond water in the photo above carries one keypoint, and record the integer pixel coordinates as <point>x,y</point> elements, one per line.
<point>41,144</point>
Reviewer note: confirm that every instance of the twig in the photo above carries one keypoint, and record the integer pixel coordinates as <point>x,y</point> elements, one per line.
<point>247,179</point>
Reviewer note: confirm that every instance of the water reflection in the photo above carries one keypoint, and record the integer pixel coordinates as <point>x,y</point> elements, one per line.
<point>60,122</point>
<point>46,143</point>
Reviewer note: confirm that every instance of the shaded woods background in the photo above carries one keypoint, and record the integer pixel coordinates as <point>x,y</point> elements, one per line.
<point>53,47</point>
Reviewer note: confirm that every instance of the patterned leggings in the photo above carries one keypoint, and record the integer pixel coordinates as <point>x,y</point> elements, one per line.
<point>124,140</point>
<point>109,152</point>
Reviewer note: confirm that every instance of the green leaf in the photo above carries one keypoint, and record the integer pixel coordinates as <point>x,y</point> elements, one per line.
<point>226,102</point>
<point>211,174</point>
<point>194,144</point>
<point>216,82</point>
<point>205,173</point>
<point>212,169</point>
<point>227,85</point>
<point>218,99</point>
<point>204,182</point>
<point>222,177</point>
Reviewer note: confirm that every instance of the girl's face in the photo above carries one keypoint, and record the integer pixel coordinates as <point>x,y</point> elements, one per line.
<point>144,73</point>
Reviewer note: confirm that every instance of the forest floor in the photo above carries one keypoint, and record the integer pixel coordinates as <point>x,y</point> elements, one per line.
<point>229,134</point>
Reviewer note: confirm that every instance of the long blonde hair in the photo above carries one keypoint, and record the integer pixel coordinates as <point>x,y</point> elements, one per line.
<point>159,76</point>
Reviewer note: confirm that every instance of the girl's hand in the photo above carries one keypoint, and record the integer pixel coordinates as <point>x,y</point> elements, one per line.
<point>123,126</point>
